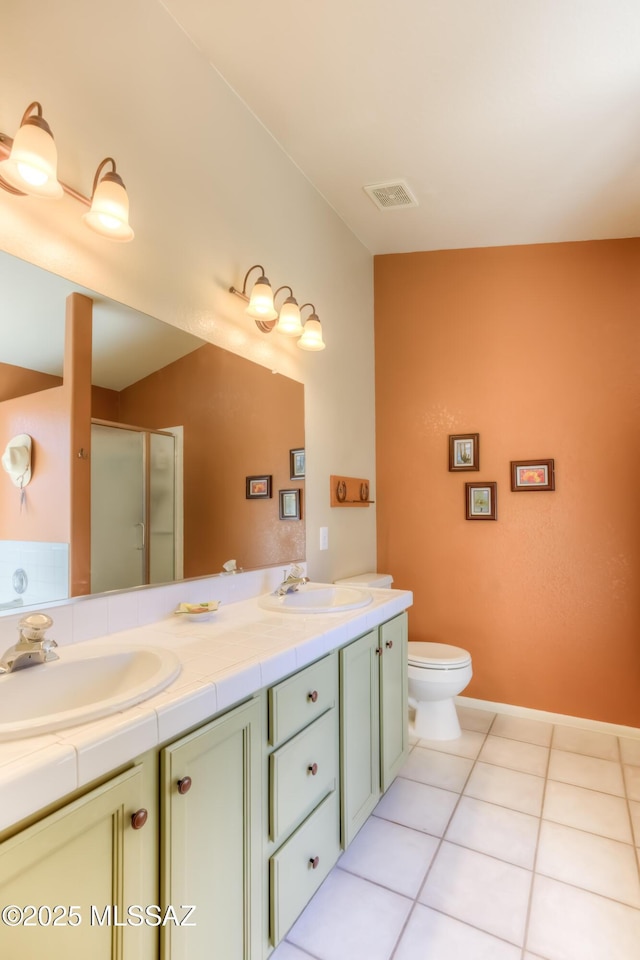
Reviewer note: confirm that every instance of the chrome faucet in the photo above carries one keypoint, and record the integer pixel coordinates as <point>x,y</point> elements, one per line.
<point>32,647</point>
<point>291,582</point>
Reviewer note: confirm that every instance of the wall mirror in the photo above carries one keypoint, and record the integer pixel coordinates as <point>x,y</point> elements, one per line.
<point>225,419</point>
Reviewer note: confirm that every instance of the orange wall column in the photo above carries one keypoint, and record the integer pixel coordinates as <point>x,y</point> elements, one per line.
<point>77,380</point>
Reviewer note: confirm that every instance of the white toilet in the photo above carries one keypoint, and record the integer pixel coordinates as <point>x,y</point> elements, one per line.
<point>437,672</point>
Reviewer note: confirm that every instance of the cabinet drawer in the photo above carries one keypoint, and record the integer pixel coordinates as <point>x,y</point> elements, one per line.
<point>301,773</point>
<point>296,702</point>
<point>293,877</point>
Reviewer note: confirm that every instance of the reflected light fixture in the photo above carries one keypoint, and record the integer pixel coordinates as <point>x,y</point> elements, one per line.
<point>30,169</point>
<point>261,307</point>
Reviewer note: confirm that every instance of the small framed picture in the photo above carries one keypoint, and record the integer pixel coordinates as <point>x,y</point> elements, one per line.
<point>296,464</point>
<point>290,505</point>
<point>464,451</point>
<point>533,475</point>
<point>258,488</point>
<point>481,501</point>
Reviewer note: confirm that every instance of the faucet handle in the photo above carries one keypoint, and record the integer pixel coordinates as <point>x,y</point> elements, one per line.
<point>34,626</point>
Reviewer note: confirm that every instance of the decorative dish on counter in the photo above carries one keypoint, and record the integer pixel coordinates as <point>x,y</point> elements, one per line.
<point>197,611</point>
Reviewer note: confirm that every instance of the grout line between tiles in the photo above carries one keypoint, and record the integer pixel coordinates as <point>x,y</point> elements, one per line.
<point>535,858</point>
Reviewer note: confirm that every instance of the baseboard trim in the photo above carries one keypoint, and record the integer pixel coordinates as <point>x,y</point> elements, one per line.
<point>599,726</point>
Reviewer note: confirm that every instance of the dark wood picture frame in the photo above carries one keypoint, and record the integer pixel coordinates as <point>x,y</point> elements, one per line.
<point>297,464</point>
<point>464,451</point>
<point>258,488</point>
<point>290,504</point>
<point>481,500</point>
<point>533,475</point>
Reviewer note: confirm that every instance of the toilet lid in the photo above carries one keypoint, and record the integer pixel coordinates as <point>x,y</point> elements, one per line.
<point>437,655</point>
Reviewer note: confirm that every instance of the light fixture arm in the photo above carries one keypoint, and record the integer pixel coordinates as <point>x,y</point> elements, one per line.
<point>313,309</point>
<point>112,174</point>
<point>243,293</point>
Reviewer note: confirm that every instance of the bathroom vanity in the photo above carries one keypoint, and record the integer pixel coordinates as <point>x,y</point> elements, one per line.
<point>232,792</point>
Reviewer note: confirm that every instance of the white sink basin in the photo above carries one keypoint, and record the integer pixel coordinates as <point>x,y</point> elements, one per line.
<point>82,685</point>
<point>317,598</point>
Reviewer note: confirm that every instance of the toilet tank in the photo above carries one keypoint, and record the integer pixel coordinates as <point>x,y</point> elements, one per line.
<point>372,579</point>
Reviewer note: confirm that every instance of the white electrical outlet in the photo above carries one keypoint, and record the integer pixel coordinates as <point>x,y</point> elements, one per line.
<point>324,538</point>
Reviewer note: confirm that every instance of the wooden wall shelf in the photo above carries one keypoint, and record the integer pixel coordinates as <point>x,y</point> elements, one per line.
<point>349,492</point>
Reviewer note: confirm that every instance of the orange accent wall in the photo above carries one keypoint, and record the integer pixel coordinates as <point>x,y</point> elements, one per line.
<point>537,349</point>
<point>16,381</point>
<point>244,423</point>
<point>45,514</point>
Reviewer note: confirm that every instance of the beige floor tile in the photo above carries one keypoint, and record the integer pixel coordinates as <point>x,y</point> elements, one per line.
<point>591,772</point>
<point>350,918</point>
<point>417,805</point>
<point>522,728</point>
<point>603,866</point>
<point>494,830</point>
<point>473,719</point>
<point>632,780</point>
<point>634,807</point>
<point>516,755</point>
<point>390,855</point>
<point>468,744</point>
<point>482,891</point>
<point>439,769</point>
<point>430,935</point>
<point>588,810</point>
<point>630,751</point>
<point>589,742</point>
<point>509,788</point>
<point>567,923</point>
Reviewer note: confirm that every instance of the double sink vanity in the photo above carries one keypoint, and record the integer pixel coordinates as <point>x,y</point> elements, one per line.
<point>181,789</point>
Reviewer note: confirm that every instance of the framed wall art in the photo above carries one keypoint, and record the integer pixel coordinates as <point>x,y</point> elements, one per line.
<point>290,505</point>
<point>481,501</point>
<point>258,488</point>
<point>533,475</point>
<point>464,451</point>
<point>296,464</point>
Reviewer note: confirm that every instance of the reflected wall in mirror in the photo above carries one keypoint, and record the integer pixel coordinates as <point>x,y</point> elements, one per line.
<point>232,418</point>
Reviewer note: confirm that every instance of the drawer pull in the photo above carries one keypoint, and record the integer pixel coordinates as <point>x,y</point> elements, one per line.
<point>184,785</point>
<point>139,818</point>
<point>313,769</point>
<point>378,650</point>
<point>314,861</point>
<point>313,696</point>
<point>389,644</point>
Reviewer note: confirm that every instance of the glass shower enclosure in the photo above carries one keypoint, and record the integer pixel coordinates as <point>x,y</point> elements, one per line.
<point>133,507</point>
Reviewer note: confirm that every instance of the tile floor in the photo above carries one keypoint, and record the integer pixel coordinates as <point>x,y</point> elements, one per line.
<point>518,841</point>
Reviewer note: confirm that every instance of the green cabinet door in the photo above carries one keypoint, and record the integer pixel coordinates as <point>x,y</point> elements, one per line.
<point>394,727</point>
<point>359,733</point>
<point>75,875</point>
<point>210,851</point>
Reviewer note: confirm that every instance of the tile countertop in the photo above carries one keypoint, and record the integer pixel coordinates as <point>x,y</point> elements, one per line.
<point>225,660</point>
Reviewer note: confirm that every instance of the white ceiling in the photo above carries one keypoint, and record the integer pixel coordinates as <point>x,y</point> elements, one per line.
<point>513,121</point>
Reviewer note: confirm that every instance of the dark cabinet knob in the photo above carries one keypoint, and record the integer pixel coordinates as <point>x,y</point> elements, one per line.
<point>313,769</point>
<point>314,861</point>
<point>313,696</point>
<point>378,650</point>
<point>139,818</point>
<point>389,644</point>
<point>184,785</point>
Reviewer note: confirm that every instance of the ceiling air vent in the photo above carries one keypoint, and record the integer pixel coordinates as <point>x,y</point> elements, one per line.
<point>391,194</point>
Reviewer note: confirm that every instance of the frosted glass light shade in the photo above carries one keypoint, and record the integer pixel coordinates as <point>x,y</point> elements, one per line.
<point>311,338</point>
<point>289,320</point>
<point>109,213</point>
<point>261,301</point>
<point>32,165</point>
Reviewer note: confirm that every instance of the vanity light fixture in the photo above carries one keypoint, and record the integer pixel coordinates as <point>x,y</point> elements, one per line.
<point>30,169</point>
<point>311,338</point>
<point>261,307</point>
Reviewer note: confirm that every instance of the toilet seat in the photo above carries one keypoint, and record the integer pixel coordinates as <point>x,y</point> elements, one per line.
<point>437,656</point>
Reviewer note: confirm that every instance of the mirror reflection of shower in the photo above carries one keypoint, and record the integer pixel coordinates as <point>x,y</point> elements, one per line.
<point>136,509</point>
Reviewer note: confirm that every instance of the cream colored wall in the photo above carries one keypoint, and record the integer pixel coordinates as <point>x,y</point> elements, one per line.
<point>211,193</point>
